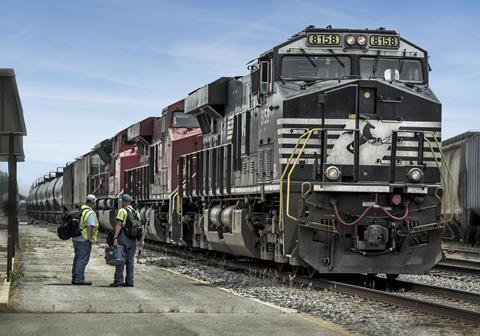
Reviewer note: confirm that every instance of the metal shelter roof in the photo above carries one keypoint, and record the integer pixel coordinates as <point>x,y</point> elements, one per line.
<point>11,115</point>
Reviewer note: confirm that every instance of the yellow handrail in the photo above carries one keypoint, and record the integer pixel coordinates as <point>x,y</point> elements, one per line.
<point>437,162</point>
<point>307,134</point>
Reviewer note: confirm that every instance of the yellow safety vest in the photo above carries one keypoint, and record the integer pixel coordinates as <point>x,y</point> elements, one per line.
<point>83,227</point>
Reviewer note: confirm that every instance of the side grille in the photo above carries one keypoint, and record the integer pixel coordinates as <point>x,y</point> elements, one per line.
<point>265,167</point>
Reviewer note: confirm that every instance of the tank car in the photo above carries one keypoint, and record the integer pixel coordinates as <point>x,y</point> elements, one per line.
<point>45,199</point>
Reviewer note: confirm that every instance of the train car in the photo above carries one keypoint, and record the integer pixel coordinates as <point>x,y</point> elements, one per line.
<point>32,201</point>
<point>54,197</point>
<point>319,157</point>
<point>461,200</point>
<point>136,178</point>
<point>126,151</point>
<point>155,181</point>
<point>54,194</point>
<point>45,199</point>
<point>101,181</point>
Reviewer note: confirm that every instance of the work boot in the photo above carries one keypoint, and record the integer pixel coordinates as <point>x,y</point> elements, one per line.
<point>117,284</point>
<point>83,283</point>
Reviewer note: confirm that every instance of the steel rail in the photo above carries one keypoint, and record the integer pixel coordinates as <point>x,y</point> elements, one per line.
<point>436,290</point>
<point>472,252</point>
<point>396,299</point>
<point>459,265</point>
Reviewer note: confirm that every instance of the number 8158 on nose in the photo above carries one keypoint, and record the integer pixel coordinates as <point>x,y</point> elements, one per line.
<point>324,40</point>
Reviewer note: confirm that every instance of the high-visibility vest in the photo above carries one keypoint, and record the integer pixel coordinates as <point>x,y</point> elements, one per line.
<point>83,226</point>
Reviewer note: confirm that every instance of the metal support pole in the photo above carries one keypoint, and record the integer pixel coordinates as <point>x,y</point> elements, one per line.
<point>12,203</point>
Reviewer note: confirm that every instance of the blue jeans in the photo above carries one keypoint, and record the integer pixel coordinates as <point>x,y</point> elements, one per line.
<point>130,246</point>
<point>80,261</point>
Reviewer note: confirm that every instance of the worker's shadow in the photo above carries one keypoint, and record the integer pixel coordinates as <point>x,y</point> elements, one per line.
<point>70,284</point>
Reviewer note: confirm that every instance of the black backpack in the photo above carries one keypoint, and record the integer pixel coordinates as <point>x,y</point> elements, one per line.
<point>70,228</point>
<point>133,227</point>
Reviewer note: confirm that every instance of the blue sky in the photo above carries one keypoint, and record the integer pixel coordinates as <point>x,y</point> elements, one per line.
<point>86,69</point>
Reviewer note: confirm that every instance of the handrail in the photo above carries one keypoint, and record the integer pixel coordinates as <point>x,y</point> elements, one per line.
<point>289,168</point>
<point>285,172</point>
<point>447,185</point>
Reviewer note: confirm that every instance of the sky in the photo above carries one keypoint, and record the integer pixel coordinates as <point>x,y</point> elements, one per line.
<point>89,68</point>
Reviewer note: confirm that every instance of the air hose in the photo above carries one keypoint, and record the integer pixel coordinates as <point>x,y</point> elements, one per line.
<point>364,213</point>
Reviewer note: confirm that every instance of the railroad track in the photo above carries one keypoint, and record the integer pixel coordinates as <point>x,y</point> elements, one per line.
<point>447,302</point>
<point>459,265</point>
<point>427,306</point>
<point>465,252</point>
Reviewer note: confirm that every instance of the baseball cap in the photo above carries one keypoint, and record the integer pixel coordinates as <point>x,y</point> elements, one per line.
<point>127,198</point>
<point>91,198</point>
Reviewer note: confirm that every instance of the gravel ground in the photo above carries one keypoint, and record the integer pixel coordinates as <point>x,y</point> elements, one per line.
<point>358,314</point>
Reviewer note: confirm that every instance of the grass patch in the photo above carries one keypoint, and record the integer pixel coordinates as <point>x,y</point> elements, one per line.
<point>15,277</point>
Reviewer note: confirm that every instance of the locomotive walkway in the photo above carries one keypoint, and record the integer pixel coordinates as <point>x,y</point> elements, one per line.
<point>162,303</point>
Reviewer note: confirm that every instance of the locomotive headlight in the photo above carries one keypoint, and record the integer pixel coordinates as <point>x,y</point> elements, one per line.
<point>350,39</point>
<point>415,174</point>
<point>361,40</point>
<point>332,173</point>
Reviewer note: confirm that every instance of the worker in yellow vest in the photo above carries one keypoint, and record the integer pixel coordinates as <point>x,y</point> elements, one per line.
<point>83,244</point>
<point>129,243</point>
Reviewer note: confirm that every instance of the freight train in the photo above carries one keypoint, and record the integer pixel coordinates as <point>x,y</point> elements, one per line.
<point>324,156</point>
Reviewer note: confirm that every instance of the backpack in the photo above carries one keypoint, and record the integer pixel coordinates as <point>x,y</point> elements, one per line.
<point>70,228</point>
<point>133,227</point>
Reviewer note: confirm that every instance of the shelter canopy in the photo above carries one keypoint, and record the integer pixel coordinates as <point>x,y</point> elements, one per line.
<point>11,116</point>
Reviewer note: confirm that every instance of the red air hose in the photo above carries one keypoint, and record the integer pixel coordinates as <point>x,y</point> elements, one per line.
<point>364,213</point>
<point>389,214</point>
<point>339,218</point>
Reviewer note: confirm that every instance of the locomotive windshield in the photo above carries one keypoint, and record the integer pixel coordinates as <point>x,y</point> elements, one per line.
<point>409,70</point>
<point>183,120</point>
<point>315,67</point>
